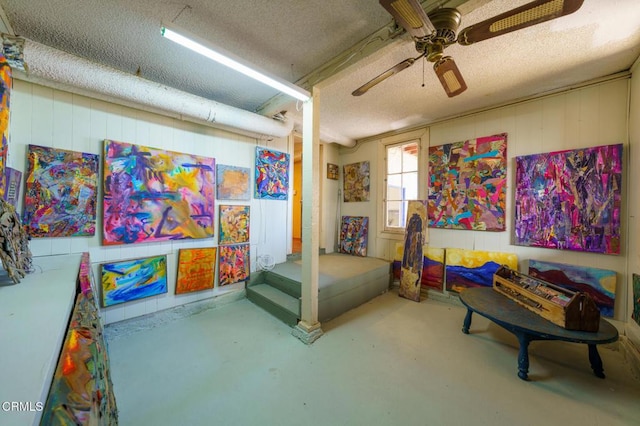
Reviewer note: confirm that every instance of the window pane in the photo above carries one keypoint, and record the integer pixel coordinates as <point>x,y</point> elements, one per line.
<point>410,157</point>
<point>410,186</point>
<point>403,214</point>
<point>393,213</point>
<point>394,187</point>
<point>394,159</point>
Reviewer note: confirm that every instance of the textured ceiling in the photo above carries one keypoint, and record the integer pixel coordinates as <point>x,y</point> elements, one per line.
<point>292,38</point>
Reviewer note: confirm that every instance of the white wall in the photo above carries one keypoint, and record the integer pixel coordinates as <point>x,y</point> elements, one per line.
<point>590,116</point>
<point>48,117</point>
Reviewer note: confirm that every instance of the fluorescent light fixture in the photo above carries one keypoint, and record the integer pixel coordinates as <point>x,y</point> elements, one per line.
<point>192,42</point>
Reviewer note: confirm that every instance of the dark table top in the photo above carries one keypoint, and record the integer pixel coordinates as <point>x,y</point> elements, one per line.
<point>504,311</point>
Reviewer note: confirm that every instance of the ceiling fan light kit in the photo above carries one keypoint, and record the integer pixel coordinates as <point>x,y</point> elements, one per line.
<point>434,32</point>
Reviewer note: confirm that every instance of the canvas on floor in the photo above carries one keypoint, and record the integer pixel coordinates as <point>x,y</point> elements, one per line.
<point>156,195</point>
<point>474,268</point>
<point>354,232</point>
<point>412,259</point>
<point>61,189</point>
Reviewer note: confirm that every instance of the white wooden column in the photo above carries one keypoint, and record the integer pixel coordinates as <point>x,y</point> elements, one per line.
<point>308,329</point>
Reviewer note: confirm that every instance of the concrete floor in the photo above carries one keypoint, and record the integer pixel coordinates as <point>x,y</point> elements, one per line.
<point>388,362</point>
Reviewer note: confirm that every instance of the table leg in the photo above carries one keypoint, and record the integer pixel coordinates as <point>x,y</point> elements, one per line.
<point>467,322</point>
<point>596,361</point>
<point>523,356</point>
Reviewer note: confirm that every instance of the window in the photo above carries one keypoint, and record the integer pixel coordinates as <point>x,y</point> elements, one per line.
<point>401,183</point>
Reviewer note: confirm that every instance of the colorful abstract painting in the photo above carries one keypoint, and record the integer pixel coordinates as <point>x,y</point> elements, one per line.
<point>474,268</point>
<point>6,84</point>
<point>128,280</point>
<point>272,174</point>
<point>61,190</point>
<point>635,315</point>
<point>356,182</point>
<point>13,182</point>
<point>233,183</point>
<point>433,268</point>
<point>196,269</point>
<point>570,200</point>
<point>412,258</point>
<point>467,184</point>
<point>354,231</point>
<point>600,284</point>
<point>234,224</point>
<point>233,264</point>
<point>156,195</point>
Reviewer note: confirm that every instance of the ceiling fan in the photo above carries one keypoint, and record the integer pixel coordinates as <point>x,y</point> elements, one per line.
<point>436,31</point>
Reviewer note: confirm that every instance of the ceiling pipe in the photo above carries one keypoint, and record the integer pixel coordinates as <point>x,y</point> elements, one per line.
<point>60,70</point>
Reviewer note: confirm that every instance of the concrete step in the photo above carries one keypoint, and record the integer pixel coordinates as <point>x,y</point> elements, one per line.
<point>278,303</point>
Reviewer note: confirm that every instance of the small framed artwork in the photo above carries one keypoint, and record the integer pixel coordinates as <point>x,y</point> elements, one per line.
<point>333,171</point>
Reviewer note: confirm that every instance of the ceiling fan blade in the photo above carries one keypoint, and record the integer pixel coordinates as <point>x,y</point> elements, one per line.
<point>411,15</point>
<point>530,14</point>
<point>449,76</point>
<point>388,73</point>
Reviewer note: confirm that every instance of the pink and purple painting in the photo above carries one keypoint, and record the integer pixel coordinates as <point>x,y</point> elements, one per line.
<point>412,258</point>
<point>600,284</point>
<point>356,182</point>
<point>234,224</point>
<point>233,183</point>
<point>272,174</point>
<point>354,231</point>
<point>196,269</point>
<point>467,184</point>
<point>570,200</point>
<point>474,268</point>
<point>61,190</point>
<point>156,195</point>
<point>6,84</point>
<point>128,280</point>
<point>233,264</point>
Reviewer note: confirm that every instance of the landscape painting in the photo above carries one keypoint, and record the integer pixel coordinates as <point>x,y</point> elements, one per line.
<point>570,200</point>
<point>354,231</point>
<point>433,268</point>
<point>356,182</point>
<point>128,280</point>
<point>233,264</point>
<point>474,268</point>
<point>196,269</point>
<point>272,174</point>
<point>467,184</point>
<point>61,189</point>
<point>234,224</point>
<point>412,258</point>
<point>233,183</point>
<point>156,195</point>
<point>600,284</point>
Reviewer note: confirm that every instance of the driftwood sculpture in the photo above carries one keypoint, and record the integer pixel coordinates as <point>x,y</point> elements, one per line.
<point>14,243</point>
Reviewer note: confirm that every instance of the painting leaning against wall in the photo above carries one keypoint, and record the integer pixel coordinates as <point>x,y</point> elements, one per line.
<point>6,84</point>
<point>570,200</point>
<point>156,195</point>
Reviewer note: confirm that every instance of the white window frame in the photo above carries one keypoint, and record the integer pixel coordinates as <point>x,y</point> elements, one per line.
<point>421,136</point>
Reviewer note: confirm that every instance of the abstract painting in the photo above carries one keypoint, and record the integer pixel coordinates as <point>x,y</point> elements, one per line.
<point>13,180</point>
<point>196,269</point>
<point>156,195</point>
<point>570,200</point>
<point>234,224</point>
<point>272,174</point>
<point>233,264</point>
<point>600,284</point>
<point>354,232</point>
<point>467,184</point>
<point>233,183</point>
<point>412,258</point>
<point>61,190</point>
<point>128,280</point>
<point>474,268</point>
<point>6,84</point>
<point>333,171</point>
<point>356,182</point>
<point>635,315</point>
<point>433,268</point>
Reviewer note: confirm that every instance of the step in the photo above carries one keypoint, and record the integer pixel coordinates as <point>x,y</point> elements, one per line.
<point>279,304</point>
<point>286,285</point>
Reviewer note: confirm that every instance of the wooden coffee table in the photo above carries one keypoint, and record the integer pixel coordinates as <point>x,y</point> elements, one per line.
<point>528,326</point>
